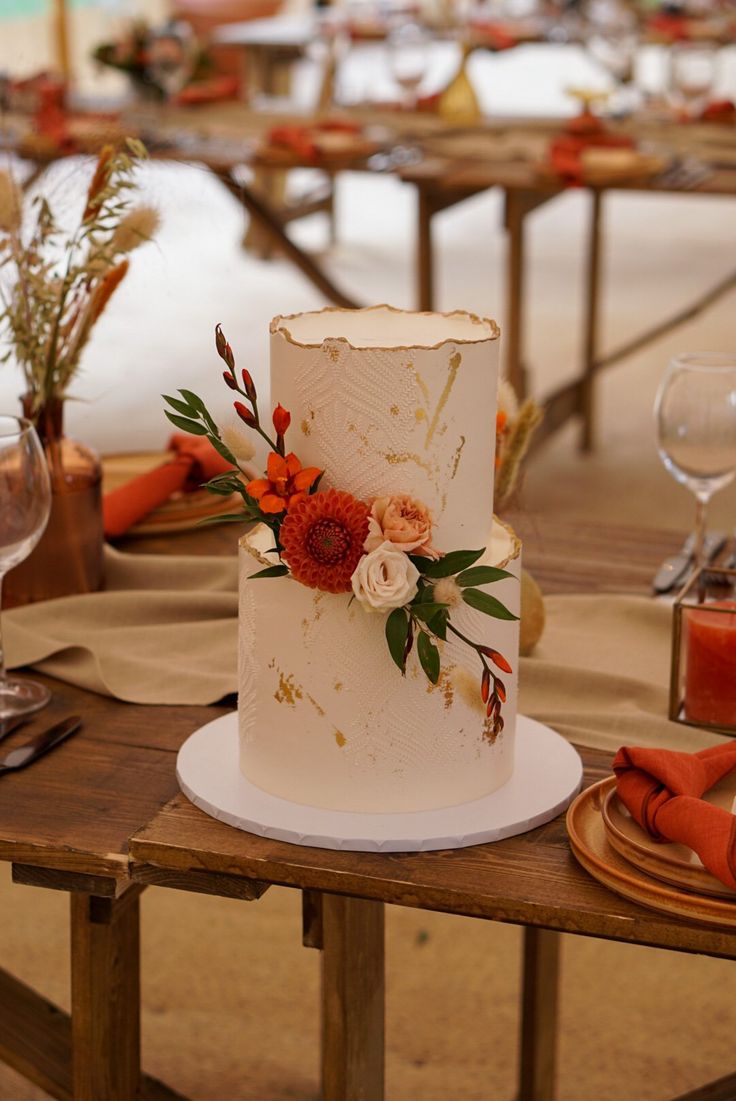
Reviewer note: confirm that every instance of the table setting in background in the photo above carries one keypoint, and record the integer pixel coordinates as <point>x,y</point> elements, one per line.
<point>376,648</point>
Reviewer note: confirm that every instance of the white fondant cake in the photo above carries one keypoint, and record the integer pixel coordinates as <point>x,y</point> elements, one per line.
<point>385,402</point>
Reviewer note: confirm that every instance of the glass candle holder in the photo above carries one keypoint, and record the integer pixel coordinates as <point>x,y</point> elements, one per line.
<point>703,672</point>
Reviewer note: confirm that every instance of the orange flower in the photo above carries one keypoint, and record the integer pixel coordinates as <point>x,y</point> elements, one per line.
<point>281,419</point>
<point>285,484</point>
<point>322,540</point>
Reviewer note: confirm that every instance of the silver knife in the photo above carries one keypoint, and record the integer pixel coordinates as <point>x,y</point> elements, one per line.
<point>22,755</point>
<point>674,570</point>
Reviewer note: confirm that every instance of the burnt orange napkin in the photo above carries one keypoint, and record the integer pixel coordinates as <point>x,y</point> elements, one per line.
<point>663,789</point>
<point>195,461</point>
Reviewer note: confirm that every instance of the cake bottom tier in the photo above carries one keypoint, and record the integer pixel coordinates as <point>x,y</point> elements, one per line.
<point>326,717</point>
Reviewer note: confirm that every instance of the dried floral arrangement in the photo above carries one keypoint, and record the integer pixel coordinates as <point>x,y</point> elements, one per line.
<point>380,550</point>
<point>515,426</point>
<point>55,285</point>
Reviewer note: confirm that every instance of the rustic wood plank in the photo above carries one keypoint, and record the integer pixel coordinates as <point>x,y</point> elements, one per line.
<point>353,999</point>
<point>54,880</point>
<point>538,1048</point>
<point>105,942</point>
<point>532,879</point>
<point>202,883</point>
<point>724,1089</point>
<point>312,925</point>
<point>35,1038</point>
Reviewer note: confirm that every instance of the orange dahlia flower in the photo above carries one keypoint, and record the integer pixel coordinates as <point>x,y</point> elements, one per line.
<point>285,484</point>
<point>322,540</point>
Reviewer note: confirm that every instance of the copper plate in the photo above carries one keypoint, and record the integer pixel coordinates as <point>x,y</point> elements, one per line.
<point>590,845</point>
<point>676,864</point>
<point>182,512</point>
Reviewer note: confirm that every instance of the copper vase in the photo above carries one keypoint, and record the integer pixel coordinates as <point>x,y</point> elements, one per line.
<point>69,556</point>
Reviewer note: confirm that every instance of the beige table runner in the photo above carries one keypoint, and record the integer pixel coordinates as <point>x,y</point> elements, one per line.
<point>165,632</point>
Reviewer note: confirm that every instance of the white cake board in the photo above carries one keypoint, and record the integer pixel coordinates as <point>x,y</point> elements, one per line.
<point>547,775</point>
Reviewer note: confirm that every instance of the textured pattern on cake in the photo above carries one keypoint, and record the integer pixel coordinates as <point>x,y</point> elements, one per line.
<point>333,723</point>
<point>380,422</point>
<point>248,665</point>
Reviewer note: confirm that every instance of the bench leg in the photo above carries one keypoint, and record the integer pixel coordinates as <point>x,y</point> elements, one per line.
<point>538,1048</point>
<point>353,997</point>
<point>590,335</point>
<point>106,997</point>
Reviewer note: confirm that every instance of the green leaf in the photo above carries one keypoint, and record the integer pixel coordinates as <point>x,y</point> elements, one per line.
<point>193,427</point>
<point>428,611</point>
<point>484,602</point>
<point>452,563</point>
<point>420,561</point>
<point>481,575</point>
<point>271,571</point>
<point>223,450</point>
<point>193,400</point>
<point>397,632</point>
<point>438,623</point>
<point>429,656</point>
<point>225,518</point>
<point>180,406</point>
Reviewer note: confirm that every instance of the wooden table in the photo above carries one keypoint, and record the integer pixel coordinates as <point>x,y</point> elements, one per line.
<point>101,818</point>
<point>441,183</point>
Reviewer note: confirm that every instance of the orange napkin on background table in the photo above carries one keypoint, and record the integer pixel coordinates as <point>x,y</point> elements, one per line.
<point>195,462</point>
<point>663,789</point>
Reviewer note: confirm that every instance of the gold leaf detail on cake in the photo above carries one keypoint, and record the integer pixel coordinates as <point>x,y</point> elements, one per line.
<point>338,686</point>
<point>306,427</point>
<point>420,415</point>
<point>288,690</point>
<point>455,361</point>
<point>320,710</point>
<point>469,688</point>
<point>394,410</point>
<point>456,457</point>
<point>445,686</point>
<point>394,458</point>
<point>340,738</point>
<point>489,732</point>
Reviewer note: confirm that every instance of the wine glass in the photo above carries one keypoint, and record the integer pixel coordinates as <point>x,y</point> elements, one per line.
<point>692,75</point>
<point>408,51</point>
<point>171,60</point>
<point>25,502</point>
<point>695,411</point>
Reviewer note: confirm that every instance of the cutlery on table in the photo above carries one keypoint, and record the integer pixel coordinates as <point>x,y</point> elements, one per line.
<point>25,754</point>
<point>10,725</point>
<point>674,569</point>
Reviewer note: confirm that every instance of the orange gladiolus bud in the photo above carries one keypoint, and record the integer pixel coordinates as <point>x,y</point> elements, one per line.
<point>229,380</point>
<point>485,686</point>
<point>498,659</point>
<point>249,385</point>
<point>244,413</point>
<point>281,419</point>
<point>224,350</point>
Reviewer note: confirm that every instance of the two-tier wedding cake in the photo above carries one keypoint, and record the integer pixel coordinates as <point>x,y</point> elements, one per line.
<point>379,648</point>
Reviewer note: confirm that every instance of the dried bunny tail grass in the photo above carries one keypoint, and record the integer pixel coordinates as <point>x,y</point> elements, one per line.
<point>508,402</point>
<point>137,227</point>
<point>515,448</point>
<point>11,204</point>
<point>99,181</point>
<point>107,288</point>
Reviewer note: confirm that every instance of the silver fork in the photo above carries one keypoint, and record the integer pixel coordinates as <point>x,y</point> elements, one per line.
<point>684,174</point>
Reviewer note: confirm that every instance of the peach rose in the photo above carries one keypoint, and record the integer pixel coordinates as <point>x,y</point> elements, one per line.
<point>402,521</point>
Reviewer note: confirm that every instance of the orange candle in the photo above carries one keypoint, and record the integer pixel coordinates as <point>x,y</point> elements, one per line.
<point>710,675</point>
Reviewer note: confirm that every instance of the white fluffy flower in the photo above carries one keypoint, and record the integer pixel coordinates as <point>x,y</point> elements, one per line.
<point>239,440</point>
<point>385,579</point>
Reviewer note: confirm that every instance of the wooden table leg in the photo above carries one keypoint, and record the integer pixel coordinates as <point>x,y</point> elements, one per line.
<point>515,214</point>
<point>590,339</point>
<point>353,996</point>
<point>538,1048</point>
<point>106,997</point>
<point>425,257</point>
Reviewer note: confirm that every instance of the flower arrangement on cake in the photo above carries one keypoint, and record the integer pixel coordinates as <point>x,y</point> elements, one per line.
<point>379,550</point>
<point>515,426</point>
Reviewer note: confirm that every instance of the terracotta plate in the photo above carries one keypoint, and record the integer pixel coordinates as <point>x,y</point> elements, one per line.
<point>591,847</point>
<point>182,512</point>
<point>672,863</point>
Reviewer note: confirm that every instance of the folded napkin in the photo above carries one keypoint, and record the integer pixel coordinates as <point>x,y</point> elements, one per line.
<point>195,461</point>
<point>165,631</point>
<point>663,791</point>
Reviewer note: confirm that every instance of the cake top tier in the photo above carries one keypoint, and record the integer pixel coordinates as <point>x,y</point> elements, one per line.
<point>384,327</point>
<point>390,402</point>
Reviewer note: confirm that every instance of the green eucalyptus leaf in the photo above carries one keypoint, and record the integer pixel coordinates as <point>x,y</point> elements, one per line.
<point>193,427</point>
<point>271,571</point>
<point>180,406</point>
<point>438,623</point>
<point>427,611</point>
<point>484,602</point>
<point>193,400</point>
<point>420,561</point>
<point>223,450</point>
<point>429,656</point>
<point>481,575</point>
<point>225,518</point>
<point>452,563</point>
<point>397,632</point>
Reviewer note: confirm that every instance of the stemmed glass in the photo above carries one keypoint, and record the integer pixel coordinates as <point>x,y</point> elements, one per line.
<point>25,501</point>
<point>695,411</point>
<point>692,75</point>
<point>408,51</point>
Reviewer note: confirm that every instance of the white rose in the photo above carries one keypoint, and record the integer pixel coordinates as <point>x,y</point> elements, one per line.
<point>385,579</point>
